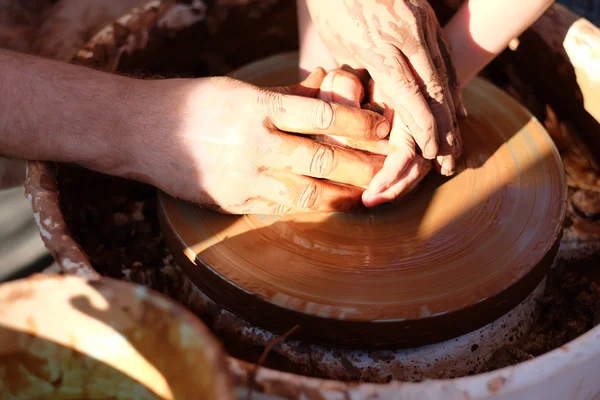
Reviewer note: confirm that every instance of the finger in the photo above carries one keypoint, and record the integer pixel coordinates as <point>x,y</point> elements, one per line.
<point>440,100</point>
<point>424,167</point>
<point>417,169</point>
<point>406,99</point>
<point>303,193</point>
<point>453,86</point>
<point>430,71</point>
<point>393,169</point>
<point>453,81</point>
<point>304,115</point>
<point>401,150</point>
<point>380,147</point>
<point>308,157</point>
<point>457,107</point>
<point>343,87</point>
<point>378,102</point>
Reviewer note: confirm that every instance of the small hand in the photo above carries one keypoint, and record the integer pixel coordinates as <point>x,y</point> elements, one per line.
<point>240,149</point>
<point>402,47</point>
<point>344,87</point>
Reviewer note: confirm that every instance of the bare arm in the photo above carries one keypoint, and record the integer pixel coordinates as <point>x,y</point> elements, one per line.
<point>179,135</point>
<point>482,29</point>
<point>60,112</point>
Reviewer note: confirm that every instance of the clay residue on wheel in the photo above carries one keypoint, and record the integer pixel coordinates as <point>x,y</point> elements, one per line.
<point>42,191</point>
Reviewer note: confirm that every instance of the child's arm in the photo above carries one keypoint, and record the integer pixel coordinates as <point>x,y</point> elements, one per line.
<point>482,29</point>
<point>477,33</point>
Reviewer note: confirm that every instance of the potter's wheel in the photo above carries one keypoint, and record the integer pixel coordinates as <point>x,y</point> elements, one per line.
<point>454,256</point>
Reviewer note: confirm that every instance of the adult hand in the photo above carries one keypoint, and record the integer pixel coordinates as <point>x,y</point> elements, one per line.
<point>240,149</point>
<point>402,47</point>
<point>214,141</point>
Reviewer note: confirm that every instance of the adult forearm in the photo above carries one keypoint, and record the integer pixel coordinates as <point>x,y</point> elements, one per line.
<point>55,111</point>
<point>481,29</point>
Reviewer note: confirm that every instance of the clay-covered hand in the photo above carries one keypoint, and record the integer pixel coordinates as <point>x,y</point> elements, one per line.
<point>241,149</point>
<point>344,87</point>
<point>402,47</point>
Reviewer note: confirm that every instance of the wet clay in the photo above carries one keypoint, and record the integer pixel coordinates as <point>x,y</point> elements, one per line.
<point>454,256</point>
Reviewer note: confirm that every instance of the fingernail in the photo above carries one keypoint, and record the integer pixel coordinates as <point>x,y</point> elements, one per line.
<point>383,129</point>
<point>463,111</point>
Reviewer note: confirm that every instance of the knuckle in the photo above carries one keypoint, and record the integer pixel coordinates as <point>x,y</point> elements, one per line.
<point>412,151</point>
<point>323,115</point>
<point>270,101</point>
<point>429,124</point>
<point>310,197</point>
<point>281,209</point>
<point>323,162</point>
<point>434,91</point>
<point>405,87</point>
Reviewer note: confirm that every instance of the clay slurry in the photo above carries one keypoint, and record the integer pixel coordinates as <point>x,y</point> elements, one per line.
<point>466,249</point>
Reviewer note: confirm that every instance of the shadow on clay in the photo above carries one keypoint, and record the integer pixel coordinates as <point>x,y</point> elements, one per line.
<point>274,241</point>
<point>34,366</point>
<point>49,365</point>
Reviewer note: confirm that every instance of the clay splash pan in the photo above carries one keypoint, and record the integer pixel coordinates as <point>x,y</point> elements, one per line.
<point>458,254</point>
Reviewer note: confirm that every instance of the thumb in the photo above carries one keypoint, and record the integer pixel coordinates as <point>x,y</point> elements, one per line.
<point>304,115</point>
